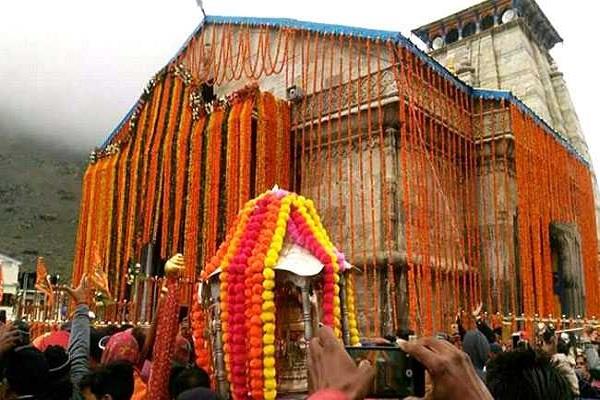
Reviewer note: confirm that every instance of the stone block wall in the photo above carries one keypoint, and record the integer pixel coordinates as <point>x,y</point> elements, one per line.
<point>507,58</point>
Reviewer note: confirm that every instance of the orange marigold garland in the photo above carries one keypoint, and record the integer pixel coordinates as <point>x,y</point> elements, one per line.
<point>245,151</point>
<point>212,179</point>
<point>266,149</point>
<point>110,203</point>
<point>192,211</point>
<point>232,168</point>
<point>78,263</point>
<point>153,178</point>
<point>177,97</point>
<point>283,144</point>
<point>183,147</point>
<point>166,332</point>
<point>93,199</point>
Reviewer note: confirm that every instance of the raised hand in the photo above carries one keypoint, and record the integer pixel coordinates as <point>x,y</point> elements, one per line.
<point>82,293</point>
<point>9,337</point>
<point>450,369</point>
<point>331,367</point>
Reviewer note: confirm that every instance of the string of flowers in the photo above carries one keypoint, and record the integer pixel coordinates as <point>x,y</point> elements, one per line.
<point>152,182</point>
<point>236,296</point>
<point>232,167</point>
<point>245,151</point>
<point>183,147</point>
<point>192,210</point>
<point>121,218</point>
<point>177,98</point>
<point>79,260</point>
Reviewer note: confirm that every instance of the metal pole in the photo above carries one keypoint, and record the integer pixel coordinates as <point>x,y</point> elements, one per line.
<point>345,330</point>
<point>148,273</point>
<point>222,385</point>
<point>24,293</point>
<point>306,312</point>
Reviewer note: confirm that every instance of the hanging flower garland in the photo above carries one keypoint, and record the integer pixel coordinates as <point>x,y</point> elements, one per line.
<point>201,345</point>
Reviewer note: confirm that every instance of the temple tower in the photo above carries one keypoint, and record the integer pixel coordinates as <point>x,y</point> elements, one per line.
<point>505,44</point>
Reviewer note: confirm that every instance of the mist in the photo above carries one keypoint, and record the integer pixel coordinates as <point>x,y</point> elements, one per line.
<point>70,70</point>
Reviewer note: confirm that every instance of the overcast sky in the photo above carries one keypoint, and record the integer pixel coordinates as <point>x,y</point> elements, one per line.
<point>71,69</point>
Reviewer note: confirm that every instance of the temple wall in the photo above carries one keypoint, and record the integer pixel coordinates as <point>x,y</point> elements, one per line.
<point>497,205</point>
<point>506,57</point>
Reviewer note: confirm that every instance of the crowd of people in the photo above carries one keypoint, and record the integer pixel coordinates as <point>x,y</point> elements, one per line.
<point>473,364</point>
<point>93,363</point>
<point>114,362</point>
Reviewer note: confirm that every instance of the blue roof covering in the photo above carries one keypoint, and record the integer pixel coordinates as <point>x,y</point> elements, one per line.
<point>372,34</point>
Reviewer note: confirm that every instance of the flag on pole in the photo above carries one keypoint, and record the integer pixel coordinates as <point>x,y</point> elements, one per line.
<point>42,281</point>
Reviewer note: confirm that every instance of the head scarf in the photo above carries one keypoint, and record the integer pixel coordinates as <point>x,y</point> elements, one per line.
<point>477,347</point>
<point>121,346</point>
<point>56,338</point>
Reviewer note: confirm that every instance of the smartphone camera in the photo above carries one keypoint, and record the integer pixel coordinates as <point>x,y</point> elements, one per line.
<point>397,375</point>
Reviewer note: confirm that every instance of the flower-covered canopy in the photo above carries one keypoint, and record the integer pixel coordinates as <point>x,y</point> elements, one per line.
<point>247,260</point>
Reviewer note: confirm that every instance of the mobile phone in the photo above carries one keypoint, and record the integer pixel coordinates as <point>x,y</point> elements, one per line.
<point>516,338</point>
<point>397,374</point>
<point>2,316</point>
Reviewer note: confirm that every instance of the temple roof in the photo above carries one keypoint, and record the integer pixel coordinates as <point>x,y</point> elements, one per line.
<point>376,35</point>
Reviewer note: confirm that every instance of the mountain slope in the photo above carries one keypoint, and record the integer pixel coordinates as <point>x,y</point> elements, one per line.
<point>40,186</point>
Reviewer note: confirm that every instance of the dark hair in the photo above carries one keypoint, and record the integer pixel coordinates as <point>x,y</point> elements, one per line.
<point>95,336</point>
<point>27,371</point>
<point>498,331</point>
<point>526,375</point>
<point>563,347</point>
<point>114,379</point>
<point>60,379</point>
<point>186,378</point>
<point>139,335</point>
<point>23,328</point>
<point>548,335</point>
<point>183,313</point>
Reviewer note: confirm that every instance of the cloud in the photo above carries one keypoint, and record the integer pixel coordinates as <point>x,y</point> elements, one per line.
<point>71,69</point>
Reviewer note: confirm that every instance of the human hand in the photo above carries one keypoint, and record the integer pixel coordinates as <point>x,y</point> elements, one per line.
<point>330,367</point>
<point>82,293</point>
<point>450,369</point>
<point>9,337</point>
<point>477,311</point>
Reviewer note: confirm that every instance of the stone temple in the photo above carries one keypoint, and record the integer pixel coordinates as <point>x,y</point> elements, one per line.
<point>447,178</point>
<point>506,45</point>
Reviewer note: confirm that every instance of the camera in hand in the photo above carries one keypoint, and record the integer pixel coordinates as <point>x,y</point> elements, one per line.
<point>397,374</point>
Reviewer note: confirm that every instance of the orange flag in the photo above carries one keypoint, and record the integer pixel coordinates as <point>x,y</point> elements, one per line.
<point>42,281</point>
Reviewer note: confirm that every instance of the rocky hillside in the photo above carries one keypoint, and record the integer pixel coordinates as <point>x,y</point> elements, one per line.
<point>40,187</point>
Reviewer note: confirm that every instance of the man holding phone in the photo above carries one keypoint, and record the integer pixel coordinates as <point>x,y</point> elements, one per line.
<point>334,375</point>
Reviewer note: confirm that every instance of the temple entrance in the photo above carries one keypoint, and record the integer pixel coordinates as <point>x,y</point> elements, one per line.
<point>567,267</point>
